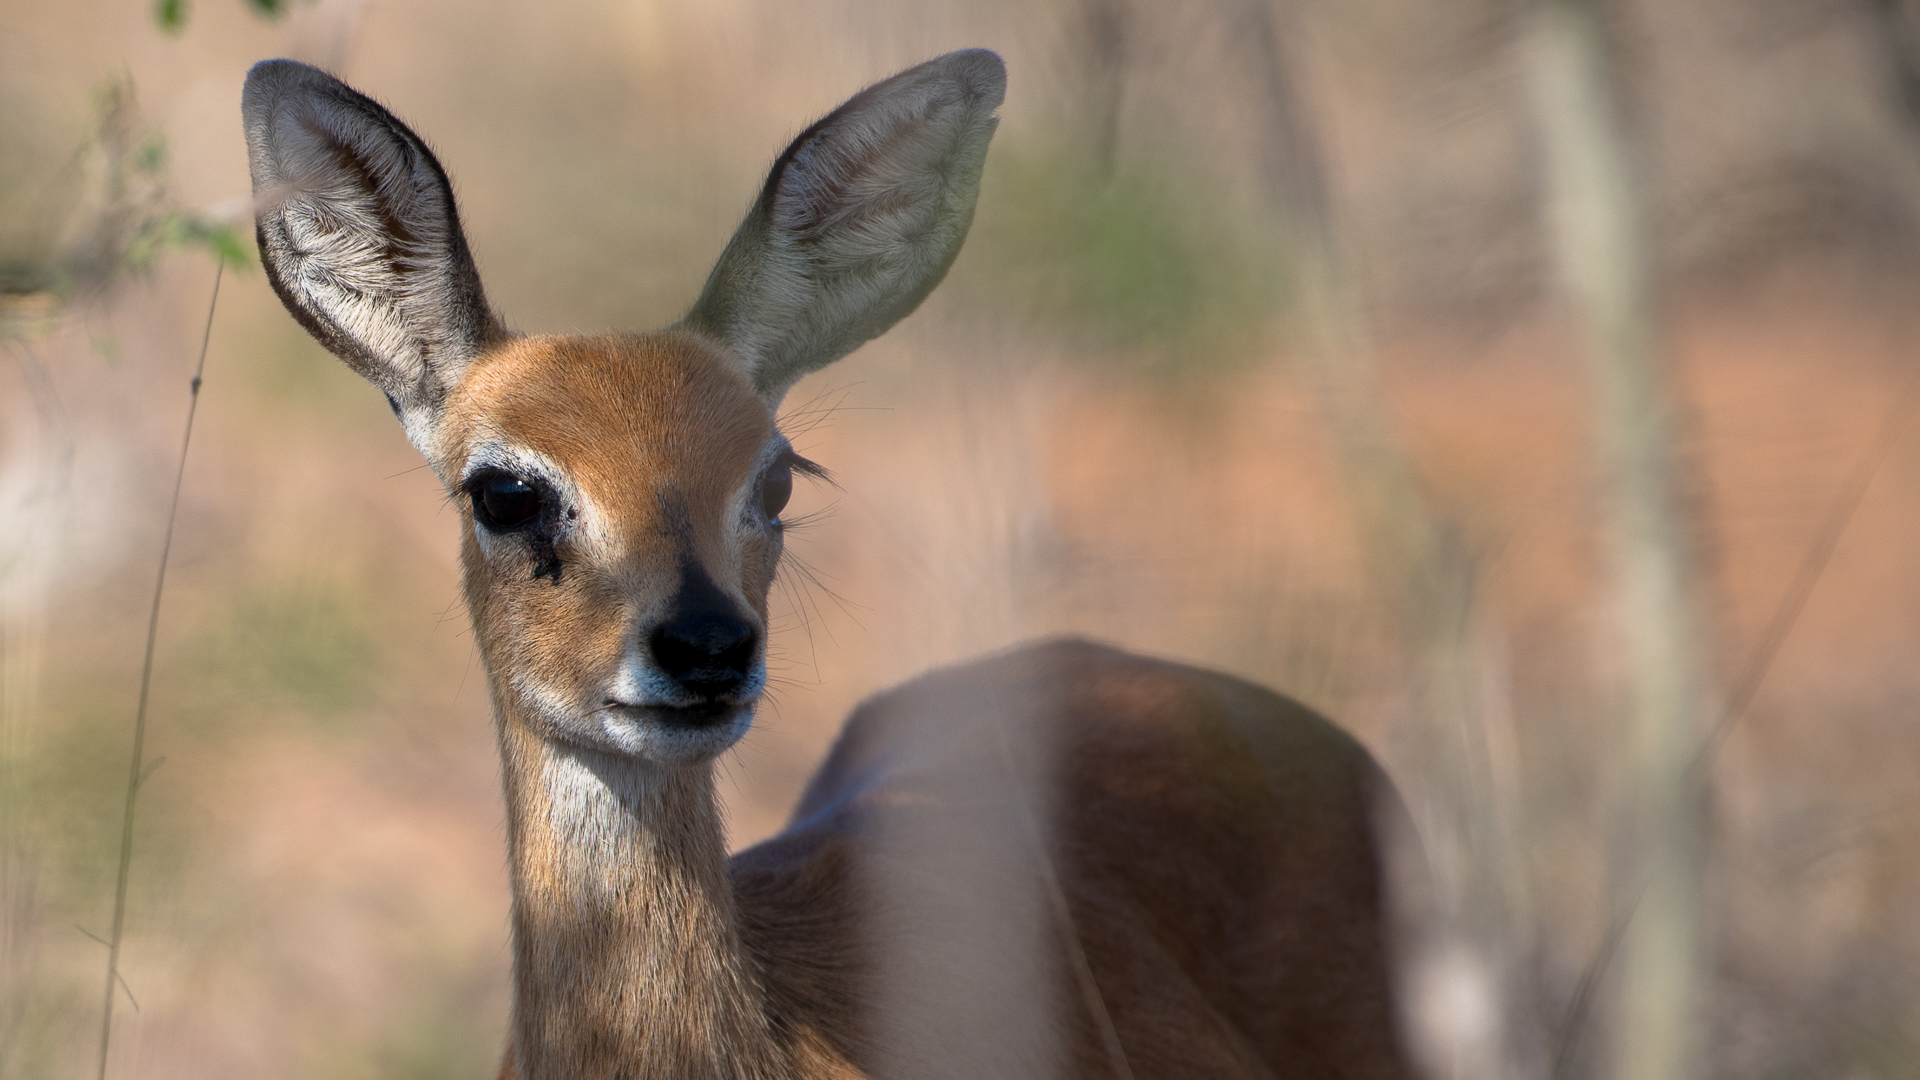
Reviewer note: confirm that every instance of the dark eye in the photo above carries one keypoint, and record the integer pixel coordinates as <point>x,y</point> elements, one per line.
<point>504,503</point>
<point>776,488</point>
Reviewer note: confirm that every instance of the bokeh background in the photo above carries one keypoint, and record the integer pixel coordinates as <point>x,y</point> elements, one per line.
<point>1101,424</point>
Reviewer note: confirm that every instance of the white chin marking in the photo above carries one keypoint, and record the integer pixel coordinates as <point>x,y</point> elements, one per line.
<point>651,733</point>
<point>644,733</point>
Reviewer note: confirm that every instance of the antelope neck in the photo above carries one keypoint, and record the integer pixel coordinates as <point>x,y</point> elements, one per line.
<point>627,960</point>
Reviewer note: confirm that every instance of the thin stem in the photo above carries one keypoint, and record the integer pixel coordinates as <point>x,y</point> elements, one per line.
<point>1785,614</point>
<point>1600,235</point>
<point>1819,554</point>
<point>137,768</point>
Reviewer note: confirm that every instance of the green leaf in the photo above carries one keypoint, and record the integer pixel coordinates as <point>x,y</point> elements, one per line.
<point>224,242</point>
<point>1151,261</point>
<point>151,158</point>
<point>271,9</point>
<point>183,230</point>
<point>107,347</point>
<point>171,15</point>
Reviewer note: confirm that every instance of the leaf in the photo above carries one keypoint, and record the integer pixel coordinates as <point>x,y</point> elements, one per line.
<point>184,230</point>
<point>151,158</point>
<point>225,243</point>
<point>271,9</point>
<point>171,15</point>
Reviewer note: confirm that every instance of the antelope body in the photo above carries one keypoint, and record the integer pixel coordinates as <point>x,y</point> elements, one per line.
<point>1182,875</point>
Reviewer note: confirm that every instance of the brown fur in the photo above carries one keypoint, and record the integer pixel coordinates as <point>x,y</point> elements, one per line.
<point>1212,841</point>
<point>625,956</point>
<point>1062,861</point>
<point>661,432</point>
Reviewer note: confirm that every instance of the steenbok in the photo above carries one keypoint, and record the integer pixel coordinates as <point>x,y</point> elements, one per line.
<point>1178,873</point>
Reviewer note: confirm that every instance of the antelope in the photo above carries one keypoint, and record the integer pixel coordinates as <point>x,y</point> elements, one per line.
<point>1063,860</point>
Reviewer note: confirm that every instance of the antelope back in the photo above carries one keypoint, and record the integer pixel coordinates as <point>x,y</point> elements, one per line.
<point>620,494</point>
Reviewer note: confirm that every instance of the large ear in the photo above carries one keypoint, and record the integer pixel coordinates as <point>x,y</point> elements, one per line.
<point>859,220</point>
<point>359,235</point>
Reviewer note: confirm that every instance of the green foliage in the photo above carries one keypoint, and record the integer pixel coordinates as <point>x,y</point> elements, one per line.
<point>104,214</point>
<point>184,230</point>
<point>289,648</point>
<point>1149,261</point>
<point>438,1041</point>
<point>42,1022</point>
<point>171,15</point>
<point>70,776</point>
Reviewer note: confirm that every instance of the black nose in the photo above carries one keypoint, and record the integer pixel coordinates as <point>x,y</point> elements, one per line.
<point>707,651</point>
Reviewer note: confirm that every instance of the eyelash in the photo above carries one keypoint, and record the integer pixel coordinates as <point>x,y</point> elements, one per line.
<point>810,469</point>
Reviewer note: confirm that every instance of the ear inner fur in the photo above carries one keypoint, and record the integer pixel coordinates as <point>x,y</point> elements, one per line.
<point>860,218</point>
<point>360,236</point>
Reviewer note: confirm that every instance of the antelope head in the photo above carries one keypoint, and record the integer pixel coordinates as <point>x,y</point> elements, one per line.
<point>620,495</point>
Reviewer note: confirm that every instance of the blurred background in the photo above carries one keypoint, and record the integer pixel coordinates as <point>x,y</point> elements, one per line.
<point>1256,358</point>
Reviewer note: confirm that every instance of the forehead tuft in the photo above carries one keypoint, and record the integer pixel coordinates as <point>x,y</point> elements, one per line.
<point>603,406</point>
